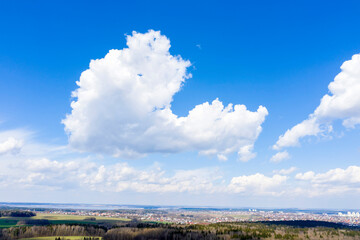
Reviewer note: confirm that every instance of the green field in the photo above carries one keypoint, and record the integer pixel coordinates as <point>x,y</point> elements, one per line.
<point>73,217</point>
<point>53,238</point>
<point>6,222</point>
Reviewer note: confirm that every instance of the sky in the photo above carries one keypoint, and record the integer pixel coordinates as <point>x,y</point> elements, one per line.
<point>193,103</point>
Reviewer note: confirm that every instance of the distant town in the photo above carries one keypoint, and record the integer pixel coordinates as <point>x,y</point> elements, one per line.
<point>210,216</point>
<point>187,215</point>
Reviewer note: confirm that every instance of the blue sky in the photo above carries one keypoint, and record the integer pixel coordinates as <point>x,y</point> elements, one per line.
<point>281,55</point>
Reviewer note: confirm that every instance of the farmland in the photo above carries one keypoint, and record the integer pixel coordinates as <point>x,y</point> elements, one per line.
<point>6,222</point>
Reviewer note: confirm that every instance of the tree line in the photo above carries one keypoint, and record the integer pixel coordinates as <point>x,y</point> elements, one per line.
<point>51,230</point>
<point>16,213</point>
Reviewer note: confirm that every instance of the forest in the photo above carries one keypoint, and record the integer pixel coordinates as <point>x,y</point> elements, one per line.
<point>143,231</point>
<point>16,213</point>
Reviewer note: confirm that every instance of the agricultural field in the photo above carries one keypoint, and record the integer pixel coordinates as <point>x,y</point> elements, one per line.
<point>6,222</point>
<point>62,217</point>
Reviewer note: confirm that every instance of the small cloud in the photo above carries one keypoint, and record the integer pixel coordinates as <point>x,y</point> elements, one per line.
<point>245,153</point>
<point>285,171</point>
<point>280,156</point>
<point>222,157</point>
<point>11,145</point>
<point>258,184</point>
<point>198,46</point>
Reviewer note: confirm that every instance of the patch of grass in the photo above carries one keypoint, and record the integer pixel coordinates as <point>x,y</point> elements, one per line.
<point>6,223</point>
<point>73,222</point>
<point>74,217</point>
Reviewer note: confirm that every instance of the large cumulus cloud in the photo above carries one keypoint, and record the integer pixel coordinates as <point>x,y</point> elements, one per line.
<point>123,107</point>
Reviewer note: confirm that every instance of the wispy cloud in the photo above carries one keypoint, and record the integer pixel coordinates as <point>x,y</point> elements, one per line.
<point>285,171</point>
<point>280,156</point>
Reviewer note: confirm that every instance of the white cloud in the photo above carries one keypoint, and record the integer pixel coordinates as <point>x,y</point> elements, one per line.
<point>285,171</point>
<point>123,107</point>
<point>280,156</point>
<point>12,141</point>
<point>122,177</point>
<point>24,144</point>
<point>350,175</point>
<point>88,174</point>
<point>308,127</point>
<point>343,102</point>
<point>246,153</point>
<point>258,184</point>
<point>53,175</point>
<point>83,174</point>
<point>34,169</point>
<point>334,181</point>
<point>119,177</point>
<point>11,145</point>
<point>46,165</point>
<point>19,145</point>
